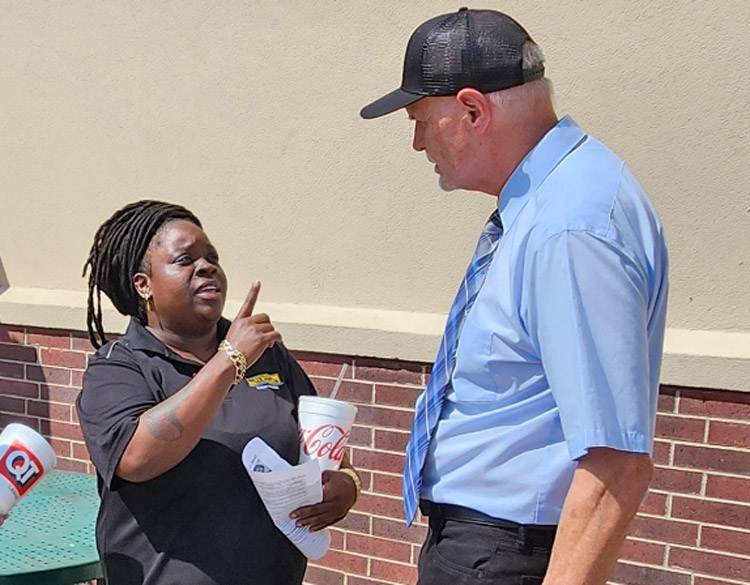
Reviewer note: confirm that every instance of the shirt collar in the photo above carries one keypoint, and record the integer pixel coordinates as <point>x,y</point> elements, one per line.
<point>561,140</point>
<point>140,338</point>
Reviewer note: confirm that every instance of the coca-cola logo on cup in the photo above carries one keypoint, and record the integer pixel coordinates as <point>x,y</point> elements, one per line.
<point>327,441</point>
<point>20,467</point>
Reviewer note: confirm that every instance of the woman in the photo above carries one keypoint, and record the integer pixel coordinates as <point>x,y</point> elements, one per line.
<point>167,409</point>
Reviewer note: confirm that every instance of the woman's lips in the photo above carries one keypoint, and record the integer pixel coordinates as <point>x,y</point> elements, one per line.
<point>208,291</point>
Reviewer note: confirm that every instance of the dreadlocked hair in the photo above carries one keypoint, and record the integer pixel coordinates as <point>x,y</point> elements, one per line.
<point>118,253</point>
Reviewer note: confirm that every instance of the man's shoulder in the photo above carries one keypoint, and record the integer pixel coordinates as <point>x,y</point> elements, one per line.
<point>581,193</point>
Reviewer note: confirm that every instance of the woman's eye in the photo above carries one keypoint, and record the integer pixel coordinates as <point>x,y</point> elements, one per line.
<point>184,260</point>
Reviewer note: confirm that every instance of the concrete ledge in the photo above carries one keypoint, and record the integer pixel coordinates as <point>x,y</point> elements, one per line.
<point>704,359</point>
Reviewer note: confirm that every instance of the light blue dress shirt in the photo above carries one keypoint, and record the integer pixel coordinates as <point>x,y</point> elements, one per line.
<point>562,349</point>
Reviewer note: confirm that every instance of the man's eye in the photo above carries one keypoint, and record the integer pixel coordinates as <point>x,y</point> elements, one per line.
<point>184,260</point>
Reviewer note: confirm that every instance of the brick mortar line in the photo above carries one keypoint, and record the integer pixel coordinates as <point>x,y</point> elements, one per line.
<point>29,381</point>
<point>55,420</point>
<point>712,550</point>
<point>362,448</point>
<point>673,442</point>
<point>647,566</point>
<point>648,540</point>
<point>24,379</point>
<point>20,362</point>
<point>364,381</point>
<point>703,471</point>
<point>385,406</point>
<point>391,518</point>
<point>664,557</point>
<point>394,540</point>
<point>670,545</point>
<point>388,429</point>
<point>707,417</point>
<point>347,575</point>
<point>702,525</point>
<point>708,499</point>
<point>410,385</point>
<point>675,408</point>
<point>382,495</point>
<point>714,577</point>
<point>654,516</point>
<point>388,473</point>
<point>373,556</point>
<point>55,403</point>
<point>697,523</point>
<point>366,556</point>
<point>685,416</point>
<point>42,364</point>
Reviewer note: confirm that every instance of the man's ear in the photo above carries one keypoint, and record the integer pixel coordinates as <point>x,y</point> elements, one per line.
<point>142,284</point>
<point>476,106</point>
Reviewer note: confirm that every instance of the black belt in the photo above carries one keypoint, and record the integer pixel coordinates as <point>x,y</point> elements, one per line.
<point>438,512</point>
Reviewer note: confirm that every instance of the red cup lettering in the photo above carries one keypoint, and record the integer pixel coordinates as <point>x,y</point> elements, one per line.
<point>20,467</point>
<point>326,441</point>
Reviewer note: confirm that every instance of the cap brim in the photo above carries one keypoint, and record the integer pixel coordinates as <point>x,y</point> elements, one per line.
<point>391,102</point>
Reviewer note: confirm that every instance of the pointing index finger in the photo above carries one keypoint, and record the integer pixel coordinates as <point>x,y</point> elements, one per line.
<point>249,305</point>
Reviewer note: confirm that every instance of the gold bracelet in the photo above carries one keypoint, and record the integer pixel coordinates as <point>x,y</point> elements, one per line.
<point>355,478</point>
<point>238,359</point>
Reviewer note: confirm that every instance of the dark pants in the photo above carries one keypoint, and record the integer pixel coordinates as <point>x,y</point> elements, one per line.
<point>464,547</point>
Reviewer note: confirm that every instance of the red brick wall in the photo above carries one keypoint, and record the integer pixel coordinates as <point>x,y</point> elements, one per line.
<point>694,528</point>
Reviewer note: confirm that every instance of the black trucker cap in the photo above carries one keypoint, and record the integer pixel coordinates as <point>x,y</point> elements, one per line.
<point>482,49</point>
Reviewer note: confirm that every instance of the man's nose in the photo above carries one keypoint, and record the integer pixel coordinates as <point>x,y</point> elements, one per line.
<point>418,141</point>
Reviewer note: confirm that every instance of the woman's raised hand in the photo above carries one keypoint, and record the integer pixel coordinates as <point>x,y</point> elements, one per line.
<point>252,334</point>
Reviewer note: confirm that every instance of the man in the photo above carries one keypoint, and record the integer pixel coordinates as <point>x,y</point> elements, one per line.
<point>530,446</point>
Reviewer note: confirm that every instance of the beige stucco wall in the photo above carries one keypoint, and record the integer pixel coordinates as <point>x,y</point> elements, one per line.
<point>248,114</point>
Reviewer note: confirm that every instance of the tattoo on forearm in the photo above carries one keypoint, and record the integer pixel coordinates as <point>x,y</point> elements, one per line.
<point>162,421</point>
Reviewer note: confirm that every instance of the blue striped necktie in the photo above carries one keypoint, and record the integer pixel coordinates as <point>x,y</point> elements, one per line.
<point>430,402</point>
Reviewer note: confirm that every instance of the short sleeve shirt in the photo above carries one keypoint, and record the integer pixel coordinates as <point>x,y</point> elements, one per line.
<point>561,351</point>
<point>201,522</point>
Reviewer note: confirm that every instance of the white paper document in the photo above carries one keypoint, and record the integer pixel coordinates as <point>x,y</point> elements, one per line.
<point>284,488</point>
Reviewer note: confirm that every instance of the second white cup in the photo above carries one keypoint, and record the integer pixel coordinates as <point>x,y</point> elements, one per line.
<point>25,456</point>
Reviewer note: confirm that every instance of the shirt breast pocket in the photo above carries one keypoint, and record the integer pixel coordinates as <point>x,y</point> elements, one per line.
<point>489,368</point>
<point>472,378</point>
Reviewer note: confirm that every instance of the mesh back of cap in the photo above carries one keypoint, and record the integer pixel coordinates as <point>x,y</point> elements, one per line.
<point>479,48</point>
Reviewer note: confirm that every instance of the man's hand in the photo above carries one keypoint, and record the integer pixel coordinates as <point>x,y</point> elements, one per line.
<point>607,490</point>
<point>339,494</point>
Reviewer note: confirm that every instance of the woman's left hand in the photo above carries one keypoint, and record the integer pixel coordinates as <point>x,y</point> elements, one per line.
<point>339,495</point>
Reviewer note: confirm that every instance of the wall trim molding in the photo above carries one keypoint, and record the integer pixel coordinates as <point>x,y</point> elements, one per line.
<point>698,359</point>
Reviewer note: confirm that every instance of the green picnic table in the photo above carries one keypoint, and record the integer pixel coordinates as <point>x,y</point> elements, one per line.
<point>48,539</point>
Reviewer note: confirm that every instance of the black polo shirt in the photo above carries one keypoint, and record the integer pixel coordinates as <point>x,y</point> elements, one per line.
<point>202,522</point>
